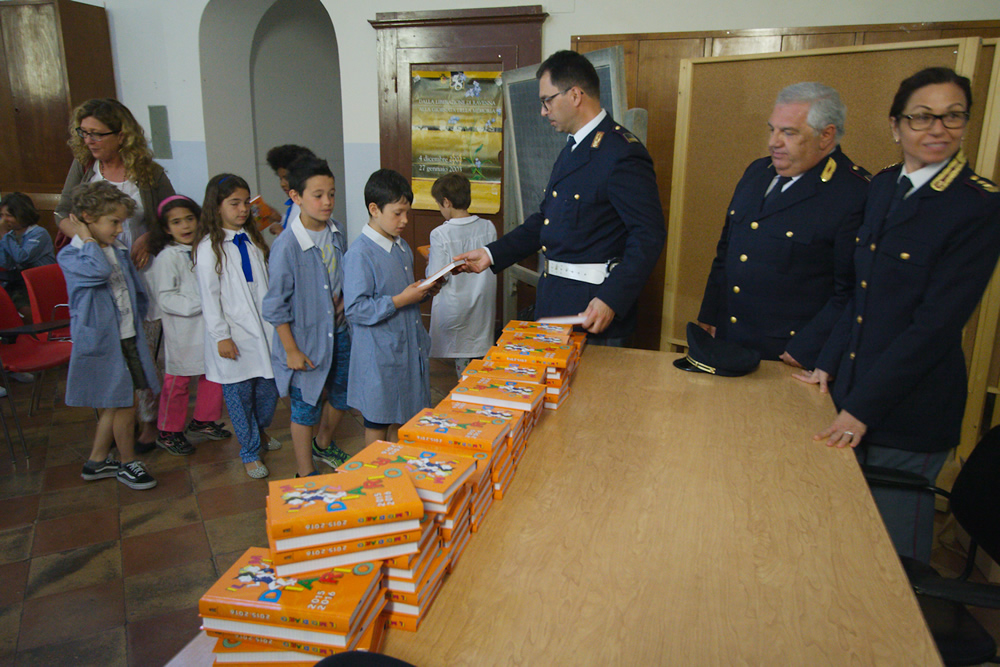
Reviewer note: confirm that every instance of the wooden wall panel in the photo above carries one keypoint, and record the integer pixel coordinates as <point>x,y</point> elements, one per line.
<point>892,37</point>
<point>735,46</point>
<point>820,41</point>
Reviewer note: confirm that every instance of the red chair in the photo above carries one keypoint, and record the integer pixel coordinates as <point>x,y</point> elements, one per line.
<point>28,354</point>
<point>48,297</point>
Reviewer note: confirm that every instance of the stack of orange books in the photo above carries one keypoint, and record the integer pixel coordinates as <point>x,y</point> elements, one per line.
<point>340,519</point>
<point>327,611</point>
<point>560,362</point>
<point>520,424</point>
<point>410,599</point>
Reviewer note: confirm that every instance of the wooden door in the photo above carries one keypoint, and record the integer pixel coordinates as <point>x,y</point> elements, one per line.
<point>485,40</point>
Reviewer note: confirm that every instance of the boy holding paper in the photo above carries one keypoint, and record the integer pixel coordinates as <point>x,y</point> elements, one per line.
<point>462,314</point>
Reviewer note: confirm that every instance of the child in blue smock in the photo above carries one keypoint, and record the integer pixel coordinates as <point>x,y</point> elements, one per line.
<point>23,245</point>
<point>311,352</point>
<point>389,380</point>
<point>110,360</point>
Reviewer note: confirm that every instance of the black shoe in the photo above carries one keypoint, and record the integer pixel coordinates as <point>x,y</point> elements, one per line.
<point>100,469</point>
<point>207,430</point>
<point>144,447</point>
<point>174,443</point>
<point>135,476</point>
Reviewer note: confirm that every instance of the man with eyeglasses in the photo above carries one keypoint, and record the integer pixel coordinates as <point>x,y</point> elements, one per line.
<point>600,223</point>
<point>783,270</point>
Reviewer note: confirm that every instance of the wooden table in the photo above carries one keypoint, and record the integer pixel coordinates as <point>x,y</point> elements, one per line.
<point>670,518</point>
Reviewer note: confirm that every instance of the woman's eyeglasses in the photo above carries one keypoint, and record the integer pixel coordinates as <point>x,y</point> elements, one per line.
<point>95,136</point>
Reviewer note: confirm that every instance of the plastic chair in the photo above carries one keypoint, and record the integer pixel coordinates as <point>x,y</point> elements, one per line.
<point>28,354</point>
<point>975,504</point>
<point>47,295</point>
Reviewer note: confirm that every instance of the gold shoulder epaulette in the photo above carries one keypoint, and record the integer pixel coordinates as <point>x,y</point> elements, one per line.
<point>983,184</point>
<point>891,166</point>
<point>950,172</point>
<point>831,166</point>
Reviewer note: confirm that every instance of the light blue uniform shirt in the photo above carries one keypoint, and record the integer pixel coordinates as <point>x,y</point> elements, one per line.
<point>300,294</point>
<point>389,380</point>
<point>34,248</point>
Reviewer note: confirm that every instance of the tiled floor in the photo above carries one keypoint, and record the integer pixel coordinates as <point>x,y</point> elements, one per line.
<point>94,573</point>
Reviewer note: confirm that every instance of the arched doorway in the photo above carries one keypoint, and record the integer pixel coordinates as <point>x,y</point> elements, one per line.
<point>270,75</point>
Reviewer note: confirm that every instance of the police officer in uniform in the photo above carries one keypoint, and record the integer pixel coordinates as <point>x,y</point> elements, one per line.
<point>600,223</point>
<point>783,270</point>
<point>923,255</point>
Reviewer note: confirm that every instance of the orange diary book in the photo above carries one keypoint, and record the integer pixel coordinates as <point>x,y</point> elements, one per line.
<point>436,476</point>
<point>454,429</point>
<point>340,554</point>
<point>499,393</point>
<point>534,352</point>
<point>273,644</point>
<point>339,507</point>
<point>260,212</point>
<point>326,608</point>
<point>557,332</point>
<point>505,370</point>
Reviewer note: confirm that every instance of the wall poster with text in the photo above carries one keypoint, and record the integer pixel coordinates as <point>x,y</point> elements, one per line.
<point>456,123</point>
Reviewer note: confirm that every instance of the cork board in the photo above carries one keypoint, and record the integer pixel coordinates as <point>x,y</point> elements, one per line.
<point>723,107</point>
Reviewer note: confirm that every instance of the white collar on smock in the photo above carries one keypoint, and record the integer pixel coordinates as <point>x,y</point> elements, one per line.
<point>302,234</point>
<point>382,241</point>
<point>462,221</point>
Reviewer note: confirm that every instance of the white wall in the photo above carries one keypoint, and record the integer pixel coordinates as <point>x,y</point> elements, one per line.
<point>155,45</point>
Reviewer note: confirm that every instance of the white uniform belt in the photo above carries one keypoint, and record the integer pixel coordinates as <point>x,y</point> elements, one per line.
<point>585,273</point>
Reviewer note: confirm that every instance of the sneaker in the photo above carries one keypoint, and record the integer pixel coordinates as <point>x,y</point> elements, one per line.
<point>314,473</point>
<point>135,476</point>
<point>175,443</point>
<point>333,455</point>
<point>92,470</point>
<point>23,378</point>
<point>207,430</point>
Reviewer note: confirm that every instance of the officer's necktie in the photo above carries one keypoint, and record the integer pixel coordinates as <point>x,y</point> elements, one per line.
<point>241,240</point>
<point>903,185</point>
<point>564,155</point>
<point>775,191</point>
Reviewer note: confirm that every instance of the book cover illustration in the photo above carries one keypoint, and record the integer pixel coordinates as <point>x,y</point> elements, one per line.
<point>436,475</point>
<point>533,351</point>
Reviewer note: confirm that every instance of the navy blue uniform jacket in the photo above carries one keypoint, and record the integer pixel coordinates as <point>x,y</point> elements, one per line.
<point>600,204</point>
<point>896,354</point>
<point>782,276</point>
